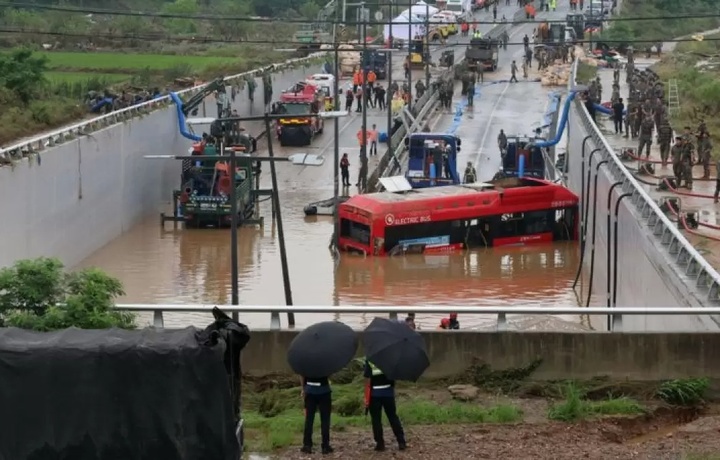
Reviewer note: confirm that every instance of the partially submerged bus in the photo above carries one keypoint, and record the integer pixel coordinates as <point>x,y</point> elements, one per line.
<point>511,211</point>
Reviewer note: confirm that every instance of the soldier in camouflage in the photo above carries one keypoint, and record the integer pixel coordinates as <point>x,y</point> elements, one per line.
<point>664,135</point>
<point>704,147</point>
<point>646,135</point>
<point>687,164</point>
<point>677,154</point>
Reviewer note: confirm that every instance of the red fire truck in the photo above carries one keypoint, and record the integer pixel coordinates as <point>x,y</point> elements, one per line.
<point>302,99</point>
<point>503,212</point>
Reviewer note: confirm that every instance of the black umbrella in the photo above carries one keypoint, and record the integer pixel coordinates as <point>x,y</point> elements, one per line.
<point>322,349</point>
<point>395,349</point>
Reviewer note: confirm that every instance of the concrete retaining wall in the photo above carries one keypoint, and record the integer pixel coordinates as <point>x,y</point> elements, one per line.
<point>72,199</point>
<point>642,356</point>
<point>656,266</point>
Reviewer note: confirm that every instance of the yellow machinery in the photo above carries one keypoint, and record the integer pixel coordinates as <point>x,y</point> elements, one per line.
<point>417,53</point>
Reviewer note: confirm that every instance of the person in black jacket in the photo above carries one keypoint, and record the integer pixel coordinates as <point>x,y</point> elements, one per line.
<point>382,397</point>
<point>317,396</point>
<point>618,109</point>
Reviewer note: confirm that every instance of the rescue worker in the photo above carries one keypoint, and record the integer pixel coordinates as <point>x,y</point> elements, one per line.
<point>646,132</point>
<point>470,175</point>
<point>419,89</point>
<point>502,142</point>
<point>454,323</point>
<point>513,72</point>
<point>687,164</point>
<point>345,170</point>
<point>382,398</point>
<point>528,57</point>
<point>599,90</point>
<point>444,324</point>
<point>664,137</point>
<point>526,41</point>
<point>704,148</point>
<point>438,159</point>
<point>371,79</point>
<point>677,153</point>
<point>525,69</point>
<point>317,397</point>
<point>357,80</point>
<point>494,11</point>
<point>470,94</point>
<point>618,109</point>
<point>477,34</point>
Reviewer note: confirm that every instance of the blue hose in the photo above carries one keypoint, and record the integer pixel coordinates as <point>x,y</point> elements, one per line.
<point>561,125</point>
<point>605,110</point>
<point>182,124</point>
<point>521,166</point>
<point>102,103</point>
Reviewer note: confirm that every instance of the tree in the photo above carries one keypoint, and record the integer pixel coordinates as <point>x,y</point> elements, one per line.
<point>38,294</point>
<point>184,7</point>
<point>22,73</point>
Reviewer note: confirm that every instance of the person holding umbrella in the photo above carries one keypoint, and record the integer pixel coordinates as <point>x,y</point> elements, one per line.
<point>393,352</point>
<point>316,353</point>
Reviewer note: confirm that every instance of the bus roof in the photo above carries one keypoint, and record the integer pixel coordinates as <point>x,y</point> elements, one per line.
<point>514,192</point>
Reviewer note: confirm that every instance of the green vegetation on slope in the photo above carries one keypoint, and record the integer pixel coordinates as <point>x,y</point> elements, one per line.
<point>670,26</point>
<point>696,69</point>
<point>38,294</point>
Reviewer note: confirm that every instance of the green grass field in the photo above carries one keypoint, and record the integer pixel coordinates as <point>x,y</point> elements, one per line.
<point>109,62</point>
<point>78,77</point>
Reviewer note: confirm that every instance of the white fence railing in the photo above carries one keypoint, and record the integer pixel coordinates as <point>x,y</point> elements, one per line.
<point>71,132</point>
<point>501,313</point>
<point>668,237</point>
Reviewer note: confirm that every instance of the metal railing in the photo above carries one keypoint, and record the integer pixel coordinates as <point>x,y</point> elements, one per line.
<point>705,278</point>
<point>501,313</point>
<point>69,133</point>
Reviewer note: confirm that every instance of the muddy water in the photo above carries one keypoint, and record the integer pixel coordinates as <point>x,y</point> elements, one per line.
<point>193,266</point>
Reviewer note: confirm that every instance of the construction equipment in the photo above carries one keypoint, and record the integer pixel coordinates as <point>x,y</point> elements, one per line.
<point>190,107</point>
<point>482,52</point>
<point>576,21</point>
<point>296,129</point>
<point>550,35</point>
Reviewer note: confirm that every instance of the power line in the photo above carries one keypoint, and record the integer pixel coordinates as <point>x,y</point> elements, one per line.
<point>205,40</point>
<point>208,17</point>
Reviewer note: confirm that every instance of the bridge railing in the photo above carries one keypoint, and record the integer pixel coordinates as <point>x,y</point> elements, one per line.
<point>668,237</point>
<point>501,313</point>
<point>68,133</point>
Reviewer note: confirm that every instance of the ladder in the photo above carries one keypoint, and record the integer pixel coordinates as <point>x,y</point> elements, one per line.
<point>673,97</point>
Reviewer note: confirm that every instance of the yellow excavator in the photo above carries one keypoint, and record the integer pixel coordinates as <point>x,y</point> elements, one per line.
<point>419,51</point>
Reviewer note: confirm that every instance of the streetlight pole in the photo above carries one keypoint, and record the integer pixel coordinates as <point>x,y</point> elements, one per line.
<point>336,140</point>
<point>363,147</point>
<point>391,43</point>
<point>426,48</point>
<point>409,56</point>
<point>234,272</point>
<point>281,233</point>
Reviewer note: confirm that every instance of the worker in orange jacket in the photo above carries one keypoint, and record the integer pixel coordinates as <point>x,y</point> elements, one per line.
<point>357,80</point>
<point>371,78</point>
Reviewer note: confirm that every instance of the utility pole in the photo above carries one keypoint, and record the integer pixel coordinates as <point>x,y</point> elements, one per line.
<point>363,147</point>
<point>409,56</point>
<point>234,270</point>
<point>336,140</point>
<point>391,43</point>
<point>426,48</point>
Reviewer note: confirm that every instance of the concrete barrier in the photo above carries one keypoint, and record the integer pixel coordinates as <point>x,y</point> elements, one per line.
<point>656,264</point>
<point>71,199</point>
<point>640,357</point>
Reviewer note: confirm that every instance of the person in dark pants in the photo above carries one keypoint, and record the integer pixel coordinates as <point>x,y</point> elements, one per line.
<point>317,396</point>
<point>618,109</point>
<point>382,398</point>
<point>345,170</point>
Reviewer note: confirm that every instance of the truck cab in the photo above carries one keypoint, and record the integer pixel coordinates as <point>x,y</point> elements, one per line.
<point>482,52</point>
<point>375,61</point>
<point>297,129</point>
<point>325,84</point>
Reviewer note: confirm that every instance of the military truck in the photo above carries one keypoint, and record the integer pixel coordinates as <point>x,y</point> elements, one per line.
<point>482,52</point>
<point>311,39</point>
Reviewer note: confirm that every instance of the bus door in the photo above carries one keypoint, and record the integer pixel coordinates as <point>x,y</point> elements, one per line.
<point>479,232</point>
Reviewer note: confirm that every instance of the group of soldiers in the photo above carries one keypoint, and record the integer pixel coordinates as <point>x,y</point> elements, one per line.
<point>647,114</point>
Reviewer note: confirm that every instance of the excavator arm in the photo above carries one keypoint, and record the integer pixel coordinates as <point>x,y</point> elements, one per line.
<point>191,105</point>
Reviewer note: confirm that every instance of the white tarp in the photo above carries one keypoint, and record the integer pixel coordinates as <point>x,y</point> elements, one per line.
<point>401,28</point>
<point>421,10</point>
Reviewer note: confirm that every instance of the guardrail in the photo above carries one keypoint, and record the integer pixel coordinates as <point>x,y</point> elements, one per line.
<point>86,127</point>
<point>500,312</point>
<point>665,232</point>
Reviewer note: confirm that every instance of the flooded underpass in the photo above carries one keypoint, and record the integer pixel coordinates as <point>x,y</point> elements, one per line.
<point>193,266</point>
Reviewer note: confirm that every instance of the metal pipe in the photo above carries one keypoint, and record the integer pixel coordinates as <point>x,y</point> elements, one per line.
<point>615,247</point>
<point>460,309</point>
<point>426,49</point>
<point>609,250</point>
<point>234,272</point>
<point>281,233</point>
<point>584,202</point>
<point>594,232</point>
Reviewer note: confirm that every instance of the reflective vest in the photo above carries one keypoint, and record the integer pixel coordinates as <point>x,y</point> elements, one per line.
<point>477,34</point>
<point>375,370</point>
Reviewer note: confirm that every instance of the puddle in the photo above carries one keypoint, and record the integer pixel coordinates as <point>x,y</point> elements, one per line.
<point>653,435</point>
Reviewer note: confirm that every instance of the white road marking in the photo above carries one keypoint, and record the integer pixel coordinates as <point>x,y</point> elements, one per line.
<point>489,123</point>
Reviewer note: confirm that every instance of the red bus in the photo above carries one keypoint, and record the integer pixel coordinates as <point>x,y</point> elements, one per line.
<point>444,219</point>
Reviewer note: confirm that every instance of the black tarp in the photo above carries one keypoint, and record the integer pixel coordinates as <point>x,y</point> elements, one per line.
<point>114,394</point>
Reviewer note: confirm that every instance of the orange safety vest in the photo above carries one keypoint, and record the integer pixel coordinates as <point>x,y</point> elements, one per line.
<point>360,137</point>
<point>357,78</point>
<point>371,77</point>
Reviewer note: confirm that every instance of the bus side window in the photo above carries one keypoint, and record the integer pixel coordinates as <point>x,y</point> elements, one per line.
<point>564,224</point>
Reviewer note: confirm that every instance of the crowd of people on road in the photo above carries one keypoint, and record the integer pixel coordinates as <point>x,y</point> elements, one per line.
<point>646,117</point>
